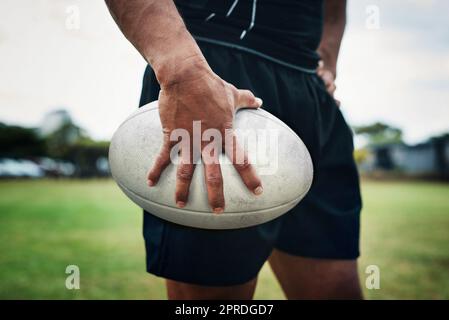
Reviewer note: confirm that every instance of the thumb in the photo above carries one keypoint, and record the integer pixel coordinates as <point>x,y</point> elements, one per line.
<point>246,99</point>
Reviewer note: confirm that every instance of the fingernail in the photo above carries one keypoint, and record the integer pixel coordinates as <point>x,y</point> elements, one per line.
<point>258,190</point>
<point>218,210</point>
<point>259,101</point>
<point>150,183</point>
<point>181,204</point>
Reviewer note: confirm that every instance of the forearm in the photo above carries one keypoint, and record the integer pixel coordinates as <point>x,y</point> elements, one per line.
<point>157,31</point>
<point>333,30</point>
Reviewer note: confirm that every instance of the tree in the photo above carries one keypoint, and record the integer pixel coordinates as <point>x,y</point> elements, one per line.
<point>59,141</point>
<point>19,142</point>
<point>379,134</point>
<point>85,153</point>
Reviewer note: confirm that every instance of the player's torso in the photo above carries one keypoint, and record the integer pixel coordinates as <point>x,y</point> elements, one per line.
<point>283,28</point>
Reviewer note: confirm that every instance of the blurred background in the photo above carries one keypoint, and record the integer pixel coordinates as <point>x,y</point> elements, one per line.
<point>69,78</point>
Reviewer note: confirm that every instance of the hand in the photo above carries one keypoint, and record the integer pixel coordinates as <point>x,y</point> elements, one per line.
<point>329,79</point>
<point>200,95</point>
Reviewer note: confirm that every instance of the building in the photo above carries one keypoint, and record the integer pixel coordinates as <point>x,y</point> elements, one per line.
<point>428,159</point>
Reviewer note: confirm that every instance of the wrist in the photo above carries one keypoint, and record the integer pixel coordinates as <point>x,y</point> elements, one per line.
<point>182,61</point>
<point>181,69</point>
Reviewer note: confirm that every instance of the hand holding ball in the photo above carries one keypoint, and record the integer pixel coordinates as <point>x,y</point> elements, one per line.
<point>276,152</point>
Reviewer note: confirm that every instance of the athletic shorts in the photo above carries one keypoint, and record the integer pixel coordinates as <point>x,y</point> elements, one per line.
<point>325,224</point>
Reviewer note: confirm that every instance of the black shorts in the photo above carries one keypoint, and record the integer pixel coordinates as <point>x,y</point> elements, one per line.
<point>325,224</point>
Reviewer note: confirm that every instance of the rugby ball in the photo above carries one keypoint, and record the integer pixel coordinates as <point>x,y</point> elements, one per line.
<point>278,154</point>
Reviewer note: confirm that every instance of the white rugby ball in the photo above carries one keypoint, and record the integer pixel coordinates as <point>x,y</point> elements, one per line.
<point>278,154</point>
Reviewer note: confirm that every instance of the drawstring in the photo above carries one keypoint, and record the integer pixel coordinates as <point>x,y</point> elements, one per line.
<point>209,17</point>
<point>234,4</point>
<point>232,8</point>
<point>253,20</point>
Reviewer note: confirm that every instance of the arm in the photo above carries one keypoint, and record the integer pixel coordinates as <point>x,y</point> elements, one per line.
<point>190,91</point>
<point>157,31</point>
<point>333,30</point>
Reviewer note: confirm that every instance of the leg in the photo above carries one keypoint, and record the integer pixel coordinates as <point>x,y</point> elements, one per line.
<point>185,291</point>
<point>307,278</point>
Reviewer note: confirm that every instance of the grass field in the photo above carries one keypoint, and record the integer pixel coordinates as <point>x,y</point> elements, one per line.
<point>47,225</point>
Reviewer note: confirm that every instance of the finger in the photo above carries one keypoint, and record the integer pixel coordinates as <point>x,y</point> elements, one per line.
<point>214,184</point>
<point>331,89</point>
<point>246,99</point>
<point>239,159</point>
<point>338,102</point>
<point>184,176</point>
<point>328,78</point>
<point>160,163</point>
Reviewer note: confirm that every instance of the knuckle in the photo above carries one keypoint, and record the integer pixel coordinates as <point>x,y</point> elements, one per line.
<point>254,183</point>
<point>242,165</point>
<point>216,200</point>
<point>226,126</point>
<point>214,179</point>
<point>158,163</point>
<point>248,96</point>
<point>251,97</point>
<point>153,177</point>
<point>181,195</point>
<point>184,173</point>
<point>216,203</point>
<point>161,159</point>
<point>232,91</point>
<point>152,173</point>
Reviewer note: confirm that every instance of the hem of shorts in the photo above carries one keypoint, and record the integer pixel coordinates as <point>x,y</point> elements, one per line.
<point>205,282</point>
<point>322,255</point>
<point>254,52</point>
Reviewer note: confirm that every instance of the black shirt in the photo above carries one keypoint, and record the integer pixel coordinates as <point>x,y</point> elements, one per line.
<point>286,31</point>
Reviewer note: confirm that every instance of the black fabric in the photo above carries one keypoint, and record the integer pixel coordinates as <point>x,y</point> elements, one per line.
<point>325,224</point>
<point>288,30</point>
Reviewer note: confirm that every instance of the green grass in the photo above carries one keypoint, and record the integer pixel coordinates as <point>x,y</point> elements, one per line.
<point>47,225</point>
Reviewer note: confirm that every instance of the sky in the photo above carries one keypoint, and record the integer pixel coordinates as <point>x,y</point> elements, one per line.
<point>393,65</point>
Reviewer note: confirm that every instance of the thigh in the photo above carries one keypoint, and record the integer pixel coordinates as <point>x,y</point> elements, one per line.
<point>309,278</point>
<point>185,291</point>
<point>326,223</point>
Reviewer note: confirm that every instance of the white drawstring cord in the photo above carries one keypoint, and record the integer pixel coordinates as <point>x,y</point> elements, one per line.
<point>234,4</point>
<point>209,17</point>
<point>253,20</point>
<point>232,8</point>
